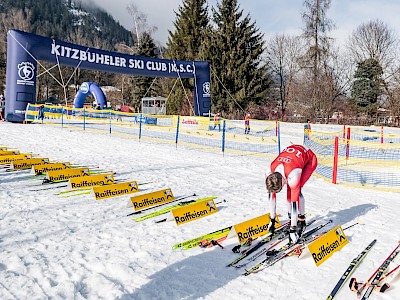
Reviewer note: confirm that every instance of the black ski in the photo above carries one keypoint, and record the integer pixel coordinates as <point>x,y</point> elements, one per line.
<point>352,267</point>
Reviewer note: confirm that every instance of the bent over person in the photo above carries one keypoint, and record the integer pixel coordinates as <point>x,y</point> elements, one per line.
<point>293,166</point>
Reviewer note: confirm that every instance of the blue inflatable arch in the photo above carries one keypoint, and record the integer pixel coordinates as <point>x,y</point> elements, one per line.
<point>90,88</point>
<point>25,50</point>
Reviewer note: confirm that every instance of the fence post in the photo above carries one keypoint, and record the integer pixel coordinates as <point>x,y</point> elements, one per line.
<point>110,120</point>
<point>381,134</point>
<point>177,131</point>
<point>62,117</point>
<point>348,144</point>
<point>307,131</point>
<point>335,160</point>
<point>278,134</point>
<point>223,137</point>
<point>84,118</point>
<point>140,126</point>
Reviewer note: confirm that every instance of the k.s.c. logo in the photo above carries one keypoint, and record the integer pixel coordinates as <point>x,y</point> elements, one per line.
<point>26,71</point>
<point>206,89</point>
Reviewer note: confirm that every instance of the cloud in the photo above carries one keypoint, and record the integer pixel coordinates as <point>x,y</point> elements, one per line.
<point>271,16</point>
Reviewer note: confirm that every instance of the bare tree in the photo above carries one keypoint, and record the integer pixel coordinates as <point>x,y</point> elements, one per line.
<point>282,55</point>
<point>376,40</point>
<point>140,24</point>
<point>333,83</point>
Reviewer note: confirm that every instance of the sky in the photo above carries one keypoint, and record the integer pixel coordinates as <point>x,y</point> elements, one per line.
<point>271,16</point>
<point>56,247</point>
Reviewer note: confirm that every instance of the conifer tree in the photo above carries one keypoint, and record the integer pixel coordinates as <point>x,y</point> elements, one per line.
<point>144,86</point>
<point>238,78</point>
<point>184,44</point>
<point>366,87</point>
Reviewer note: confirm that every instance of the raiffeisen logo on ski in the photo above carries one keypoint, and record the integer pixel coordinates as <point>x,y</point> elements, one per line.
<point>43,169</point>
<point>194,211</point>
<point>115,190</point>
<point>28,163</point>
<point>152,199</point>
<point>6,159</point>
<point>254,227</point>
<point>66,174</point>
<point>90,181</point>
<point>323,248</point>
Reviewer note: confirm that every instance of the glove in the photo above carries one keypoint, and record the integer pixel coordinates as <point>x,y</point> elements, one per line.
<point>271,226</point>
<point>236,249</point>
<point>301,224</point>
<point>293,235</point>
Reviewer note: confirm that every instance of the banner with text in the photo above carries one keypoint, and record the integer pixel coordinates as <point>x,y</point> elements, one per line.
<point>194,212</point>
<point>43,169</point>
<point>115,190</point>
<point>323,248</point>
<point>143,201</point>
<point>90,181</point>
<point>7,159</point>
<point>253,228</point>
<point>66,174</point>
<point>9,152</point>
<point>28,163</point>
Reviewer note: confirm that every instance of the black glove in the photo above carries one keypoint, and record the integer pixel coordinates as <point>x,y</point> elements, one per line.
<point>301,224</point>
<point>236,249</point>
<point>271,226</point>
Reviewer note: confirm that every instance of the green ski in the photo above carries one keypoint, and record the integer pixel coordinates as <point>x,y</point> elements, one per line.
<point>192,243</point>
<point>170,208</point>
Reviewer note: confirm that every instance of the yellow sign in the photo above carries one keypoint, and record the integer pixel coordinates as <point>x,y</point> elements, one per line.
<point>42,169</point>
<point>194,211</point>
<point>6,159</point>
<point>254,228</point>
<point>66,174</point>
<point>9,152</point>
<point>323,248</point>
<point>89,181</point>
<point>28,163</point>
<point>152,199</point>
<point>115,190</point>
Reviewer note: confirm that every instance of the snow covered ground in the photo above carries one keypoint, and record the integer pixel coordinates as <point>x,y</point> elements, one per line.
<point>79,248</point>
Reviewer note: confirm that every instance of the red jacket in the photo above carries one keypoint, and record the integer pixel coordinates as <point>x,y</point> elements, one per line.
<point>296,163</point>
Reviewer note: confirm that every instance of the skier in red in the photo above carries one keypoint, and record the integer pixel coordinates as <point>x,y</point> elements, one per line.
<point>293,166</point>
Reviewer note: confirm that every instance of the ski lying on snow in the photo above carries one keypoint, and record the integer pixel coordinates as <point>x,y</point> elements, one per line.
<point>373,281</point>
<point>157,206</point>
<point>170,208</point>
<point>278,233</point>
<point>280,237</point>
<point>277,254</point>
<point>351,268</point>
<point>218,235</point>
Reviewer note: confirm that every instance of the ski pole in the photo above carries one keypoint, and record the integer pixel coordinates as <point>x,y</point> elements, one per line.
<point>360,289</point>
